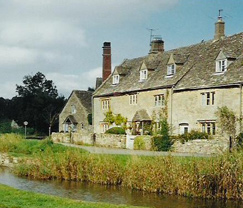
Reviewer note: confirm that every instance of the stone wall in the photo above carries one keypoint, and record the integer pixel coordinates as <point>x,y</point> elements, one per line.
<point>104,140</point>
<point>7,161</point>
<point>76,138</point>
<point>203,146</point>
<point>111,140</point>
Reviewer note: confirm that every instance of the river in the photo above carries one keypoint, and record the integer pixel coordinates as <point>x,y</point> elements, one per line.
<point>109,194</point>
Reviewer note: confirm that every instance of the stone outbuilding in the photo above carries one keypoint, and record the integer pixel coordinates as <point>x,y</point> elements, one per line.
<point>76,115</point>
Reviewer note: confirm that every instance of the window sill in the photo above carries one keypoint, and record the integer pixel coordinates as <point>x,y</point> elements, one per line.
<point>169,76</point>
<point>219,73</point>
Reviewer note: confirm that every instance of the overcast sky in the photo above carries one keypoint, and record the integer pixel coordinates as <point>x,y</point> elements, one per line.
<point>63,38</point>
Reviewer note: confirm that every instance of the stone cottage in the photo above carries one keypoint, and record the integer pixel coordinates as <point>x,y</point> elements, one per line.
<point>185,85</point>
<point>76,115</point>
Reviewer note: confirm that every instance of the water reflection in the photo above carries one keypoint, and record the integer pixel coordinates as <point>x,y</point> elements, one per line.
<point>109,194</point>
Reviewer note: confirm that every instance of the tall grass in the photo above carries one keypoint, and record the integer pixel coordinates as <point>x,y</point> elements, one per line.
<point>216,177</point>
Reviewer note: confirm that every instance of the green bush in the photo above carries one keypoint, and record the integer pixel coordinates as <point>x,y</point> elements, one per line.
<point>191,136</point>
<point>139,143</point>
<point>163,141</point>
<point>239,139</point>
<point>116,130</point>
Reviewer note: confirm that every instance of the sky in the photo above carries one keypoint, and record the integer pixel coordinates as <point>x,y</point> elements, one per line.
<point>63,39</point>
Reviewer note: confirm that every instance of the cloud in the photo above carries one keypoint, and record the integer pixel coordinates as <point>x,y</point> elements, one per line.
<point>16,55</point>
<point>65,83</point>
<point>8,89</point>
<point>41,34</point>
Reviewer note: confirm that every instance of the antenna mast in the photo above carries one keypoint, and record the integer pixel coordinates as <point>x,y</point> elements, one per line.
<point>151,34</point>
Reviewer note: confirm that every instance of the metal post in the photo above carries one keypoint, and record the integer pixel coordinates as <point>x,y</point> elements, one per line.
<point>25,130</point>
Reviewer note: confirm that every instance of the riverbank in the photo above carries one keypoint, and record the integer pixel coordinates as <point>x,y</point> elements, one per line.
<point>11,197</point>
<point>215,177</point>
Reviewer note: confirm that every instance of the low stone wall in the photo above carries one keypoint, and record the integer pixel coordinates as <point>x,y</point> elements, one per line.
<point>75,138</point>
<point>104,140</point>
<point>214,146</point>
<point>7,161</point>
<point>110,140</point>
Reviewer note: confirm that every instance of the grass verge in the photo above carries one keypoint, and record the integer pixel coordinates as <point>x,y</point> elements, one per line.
<point>13,198</point>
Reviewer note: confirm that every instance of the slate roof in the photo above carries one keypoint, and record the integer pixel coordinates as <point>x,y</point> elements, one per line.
<point>141,115</point>
<point>85,97</point>
<point>196,68</point>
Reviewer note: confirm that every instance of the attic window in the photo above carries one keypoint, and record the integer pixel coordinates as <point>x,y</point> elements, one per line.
<point>73,109</point>
<point>115,79</point>
<point>221,65</point>
<point>171,69</point>
<point>143,74</point>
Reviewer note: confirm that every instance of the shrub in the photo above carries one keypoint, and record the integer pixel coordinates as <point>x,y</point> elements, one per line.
<point>239,139</point>
<point>191,136</point>
<point>162,142</point>
<point>139,143</point>
<point>116,130</point>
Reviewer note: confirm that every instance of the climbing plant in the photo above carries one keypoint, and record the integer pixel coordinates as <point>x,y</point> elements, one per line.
<point>118,119</point>
<point>227,120</point>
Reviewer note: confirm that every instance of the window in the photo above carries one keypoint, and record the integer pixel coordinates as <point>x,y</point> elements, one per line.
<point>208,98</point>
<point>208,127</point>
<point>73,109</point>
<point>184,128</point>
<point>159,100</point>
<point>221,65</point>
<point>133,99</point>
<point>143,74</point>
<point>115,79</point>
<point>171,69</point>
<point>104,127</point>
<point>105,104</point>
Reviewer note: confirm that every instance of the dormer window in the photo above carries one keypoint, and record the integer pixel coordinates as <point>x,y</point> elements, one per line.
<point>115,79</point>
<point>171,69</point>
<point>143,74</point>
<point>221,65</point>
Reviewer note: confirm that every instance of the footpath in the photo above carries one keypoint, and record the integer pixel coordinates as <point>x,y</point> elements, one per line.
<point>113,151</point>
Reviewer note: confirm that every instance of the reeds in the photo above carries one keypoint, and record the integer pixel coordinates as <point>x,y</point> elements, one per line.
<point>215,177</point>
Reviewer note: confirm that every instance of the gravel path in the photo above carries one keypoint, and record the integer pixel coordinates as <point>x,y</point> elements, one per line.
<point>113,151</point>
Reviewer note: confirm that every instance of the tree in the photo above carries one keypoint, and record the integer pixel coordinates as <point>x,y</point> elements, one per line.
<point>40,104</point>
<point>37,85</point>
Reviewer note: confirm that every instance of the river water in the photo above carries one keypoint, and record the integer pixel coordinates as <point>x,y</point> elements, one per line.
<point>109,194</point>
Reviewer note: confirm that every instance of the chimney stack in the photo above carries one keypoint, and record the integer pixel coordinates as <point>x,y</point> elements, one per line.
<point>219,28</point>
<point>157,45</point>
<point>106,60</point>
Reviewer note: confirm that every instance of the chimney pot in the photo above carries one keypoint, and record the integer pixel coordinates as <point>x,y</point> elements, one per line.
<point>157,45</point>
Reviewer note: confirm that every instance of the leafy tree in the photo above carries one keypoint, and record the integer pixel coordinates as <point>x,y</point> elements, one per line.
<point>37,85</point>
<point>39,103</point>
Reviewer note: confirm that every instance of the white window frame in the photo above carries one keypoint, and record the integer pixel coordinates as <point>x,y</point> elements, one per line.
<point>116,79</point>
<point>208,98</point>
<point>159,100</point>
<point>133,99</point>
<point>208,127</point>
<point>105,104</point>
<point>171,69</point>
<point>221,65</point>
<point>105,127</point>
<point>143,74</point>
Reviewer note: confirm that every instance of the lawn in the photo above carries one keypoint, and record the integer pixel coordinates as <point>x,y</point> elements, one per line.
<point>13,198</point>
